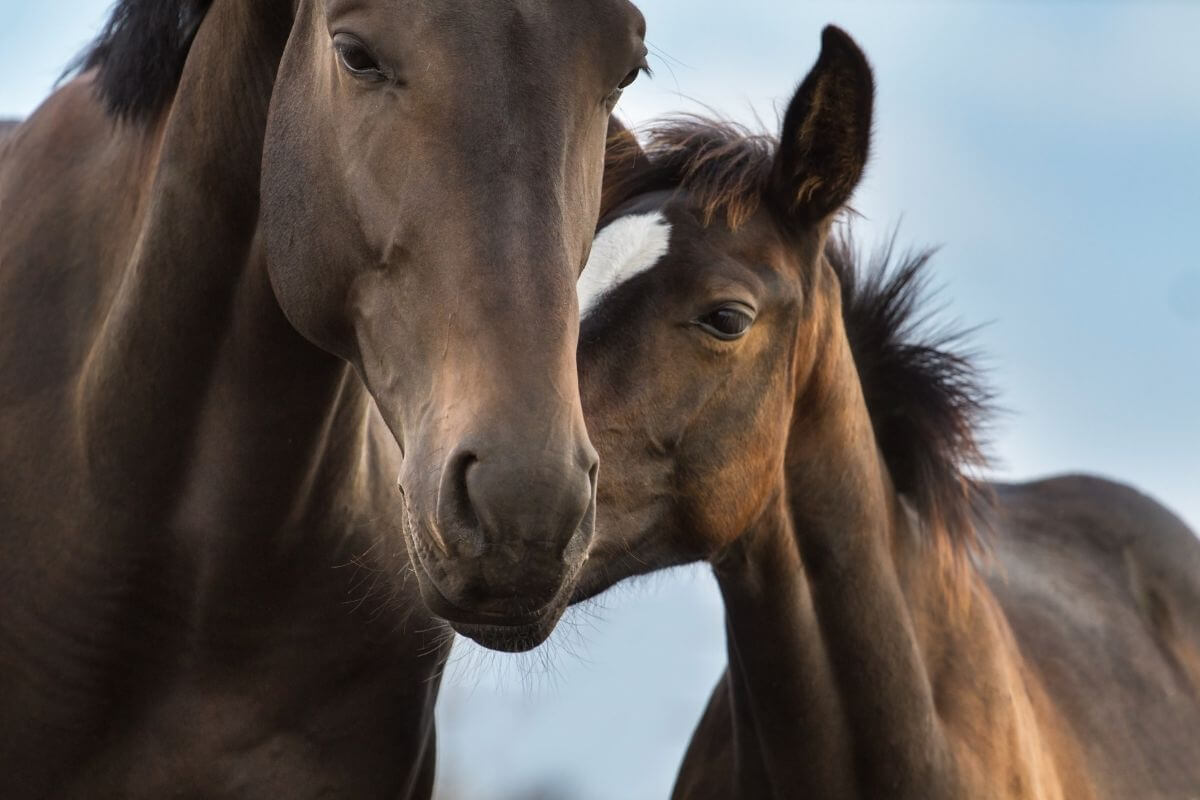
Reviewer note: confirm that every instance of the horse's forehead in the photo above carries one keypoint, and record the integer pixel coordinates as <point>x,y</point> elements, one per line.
<point>625,248</point>
<point>663,223</point>
<point>658,223</point>
<point>524,24</point>
<point>532,34</point>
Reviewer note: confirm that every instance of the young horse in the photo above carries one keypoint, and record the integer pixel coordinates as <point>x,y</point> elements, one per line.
<point>761,405</point>
<point>259,259</point>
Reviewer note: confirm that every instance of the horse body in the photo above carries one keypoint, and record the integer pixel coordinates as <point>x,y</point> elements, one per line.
<point>212,586</point>
<point>1100,587</point>
<point>764,406</point>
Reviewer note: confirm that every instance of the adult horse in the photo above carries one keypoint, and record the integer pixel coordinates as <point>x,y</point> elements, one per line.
<point>256,261</point>
<point>761,405</point>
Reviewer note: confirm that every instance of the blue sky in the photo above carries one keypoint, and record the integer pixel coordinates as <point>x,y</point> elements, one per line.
<point>1051,149</point>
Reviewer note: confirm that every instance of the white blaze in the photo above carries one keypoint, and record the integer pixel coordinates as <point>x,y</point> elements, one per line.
<point>623,250</point>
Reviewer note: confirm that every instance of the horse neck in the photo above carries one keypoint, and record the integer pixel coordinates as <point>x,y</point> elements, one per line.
<point>206,420</point>
<point>150,369</point>
<point>281,431</point>
<point>830,691</point>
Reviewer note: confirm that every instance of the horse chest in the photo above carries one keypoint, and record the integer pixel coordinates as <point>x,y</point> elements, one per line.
<point>303,733</point>
<point>248,667</point>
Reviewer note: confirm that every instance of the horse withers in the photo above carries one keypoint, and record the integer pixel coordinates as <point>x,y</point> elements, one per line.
<point>762,403</point>
<point>257,261</point>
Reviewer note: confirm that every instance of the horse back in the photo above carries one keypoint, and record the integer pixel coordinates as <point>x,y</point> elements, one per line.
<point>73,187</point>
<point>1101,587</point>
<point>7,126</point>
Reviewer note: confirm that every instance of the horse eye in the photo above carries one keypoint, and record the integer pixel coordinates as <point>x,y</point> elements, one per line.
<point>356,58</point>
<point>625,82</point>
<point>726,323</point>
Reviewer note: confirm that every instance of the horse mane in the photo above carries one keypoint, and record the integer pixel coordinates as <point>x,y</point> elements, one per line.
<point>926,395</point>
<point>140,52</point>
<point>724,166</point>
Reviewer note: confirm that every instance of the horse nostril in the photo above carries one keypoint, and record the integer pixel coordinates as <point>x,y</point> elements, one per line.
<point>592,461</point>
<point>526,507</point>
<point>457,520</point>
<point>577,546</point>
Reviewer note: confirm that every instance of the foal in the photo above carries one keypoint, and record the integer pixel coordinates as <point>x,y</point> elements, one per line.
<point>760,405</point>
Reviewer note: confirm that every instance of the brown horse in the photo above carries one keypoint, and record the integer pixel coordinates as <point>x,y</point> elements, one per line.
<point>256,261</point>
<point>761,404</point>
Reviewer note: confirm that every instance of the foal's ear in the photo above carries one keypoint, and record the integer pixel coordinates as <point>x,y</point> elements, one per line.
<point>624,161</point>
<point>826,132</point>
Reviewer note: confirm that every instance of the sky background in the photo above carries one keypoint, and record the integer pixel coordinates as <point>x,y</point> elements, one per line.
<point>1053,151</point>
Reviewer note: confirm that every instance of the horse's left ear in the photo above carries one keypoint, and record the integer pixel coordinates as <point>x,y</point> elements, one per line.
<point>826,132</point>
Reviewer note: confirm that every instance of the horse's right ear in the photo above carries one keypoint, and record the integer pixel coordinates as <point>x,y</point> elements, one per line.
<point>624,160</point>
<point>826,132</point>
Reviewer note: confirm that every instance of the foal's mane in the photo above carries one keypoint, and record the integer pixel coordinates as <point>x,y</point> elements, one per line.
<point>927,398</point>
<point>724,167</point>
<point>140,53</point>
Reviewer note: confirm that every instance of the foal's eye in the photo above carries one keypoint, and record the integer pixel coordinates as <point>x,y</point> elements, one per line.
<point>356,58</point>
<point>728,322</point>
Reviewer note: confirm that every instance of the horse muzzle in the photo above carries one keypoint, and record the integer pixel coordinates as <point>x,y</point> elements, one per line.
<point>499,556</point>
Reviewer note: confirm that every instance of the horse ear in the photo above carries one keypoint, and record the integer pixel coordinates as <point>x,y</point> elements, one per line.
<point>624,160</point>
<point>826,132</point>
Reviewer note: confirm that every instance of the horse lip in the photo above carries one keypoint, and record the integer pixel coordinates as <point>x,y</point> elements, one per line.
<point>443,607</point>
<point>512,634</point>
<point>455,614</point>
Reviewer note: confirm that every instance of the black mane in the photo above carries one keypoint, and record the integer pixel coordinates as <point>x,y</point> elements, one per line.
<point>140,52</point>
<point>927,397</point>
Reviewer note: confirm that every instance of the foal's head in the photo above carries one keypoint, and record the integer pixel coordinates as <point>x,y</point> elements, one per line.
<point>719,323</point>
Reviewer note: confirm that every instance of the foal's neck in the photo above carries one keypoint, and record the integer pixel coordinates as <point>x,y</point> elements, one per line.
<point>827,674</point>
